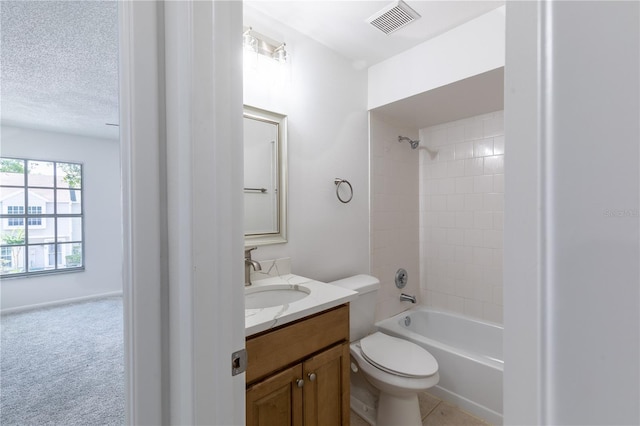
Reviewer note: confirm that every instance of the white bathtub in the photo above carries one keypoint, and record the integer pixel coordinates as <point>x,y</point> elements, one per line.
<point>469,355</point>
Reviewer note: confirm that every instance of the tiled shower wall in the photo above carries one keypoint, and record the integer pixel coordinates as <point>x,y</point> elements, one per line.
<point>461,216</point>
<point>394,213</point>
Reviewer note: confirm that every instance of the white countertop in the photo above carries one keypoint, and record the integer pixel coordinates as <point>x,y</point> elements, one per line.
<point>323,296</point>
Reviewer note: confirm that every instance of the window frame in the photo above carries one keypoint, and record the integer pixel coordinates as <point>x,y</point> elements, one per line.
<point>32,218</point>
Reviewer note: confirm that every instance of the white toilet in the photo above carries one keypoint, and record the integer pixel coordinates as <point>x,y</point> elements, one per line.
<point>396,368</point>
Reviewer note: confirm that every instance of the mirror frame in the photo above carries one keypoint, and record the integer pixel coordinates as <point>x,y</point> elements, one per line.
<point>280,120</point>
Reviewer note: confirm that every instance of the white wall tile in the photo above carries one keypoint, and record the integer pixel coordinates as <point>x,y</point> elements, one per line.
<point>473,130</point>
<point>455,134</point>
<point>493,202</point>
<point>473,202</point>
<point>498,183</point>
<point>446,186</point>
<point>464,150</point>
<point>464,220</point>
<point>461,217</point>
<point>439,137</point>
<point>483,147</point>
<point>446,153</point>
<point>494,164</point>
<point>474,167</point>
<point>483,220</point>
<point>455,168</point>
<point>438,202</point>
<point>455,202</point>
<point>483,184</point>
<point>498,145</point>
<point>464,185</point>
<point>494,127</point>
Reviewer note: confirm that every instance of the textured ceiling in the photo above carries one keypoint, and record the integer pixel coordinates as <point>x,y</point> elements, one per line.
<point>60,65</point>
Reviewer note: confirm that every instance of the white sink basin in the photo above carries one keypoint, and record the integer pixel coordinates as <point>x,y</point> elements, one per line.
<point>273,295</point>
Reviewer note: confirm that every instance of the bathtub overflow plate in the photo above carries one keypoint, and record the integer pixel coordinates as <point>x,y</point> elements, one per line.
<point>401,278</point>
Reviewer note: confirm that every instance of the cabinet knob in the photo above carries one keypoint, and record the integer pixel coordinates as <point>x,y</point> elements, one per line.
<point>312,376</point>
<point>300,383</point>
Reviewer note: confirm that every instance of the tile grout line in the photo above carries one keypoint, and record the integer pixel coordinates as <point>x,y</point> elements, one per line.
<point>431,411</point>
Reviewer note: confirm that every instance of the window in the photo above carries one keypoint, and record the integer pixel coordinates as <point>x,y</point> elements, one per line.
<point>6,257</point>
<point>35,221</point>
<point>15,221</point>
<point>42,217</point>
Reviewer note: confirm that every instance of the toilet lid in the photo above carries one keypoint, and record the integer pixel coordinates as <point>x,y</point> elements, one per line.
<point>398,356</point>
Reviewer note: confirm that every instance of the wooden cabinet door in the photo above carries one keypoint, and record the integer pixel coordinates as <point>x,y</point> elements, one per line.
<point>326,387</point>
<point>277,400</point>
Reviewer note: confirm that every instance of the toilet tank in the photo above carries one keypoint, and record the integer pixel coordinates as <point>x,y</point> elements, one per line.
<point>362,310</point>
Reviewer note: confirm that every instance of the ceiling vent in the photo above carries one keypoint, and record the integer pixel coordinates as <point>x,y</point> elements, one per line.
<point>393,17</point>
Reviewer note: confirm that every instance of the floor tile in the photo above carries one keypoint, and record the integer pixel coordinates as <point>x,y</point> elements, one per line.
<point>427,403</point>
<point>356,420</point>
<point>446,414</point>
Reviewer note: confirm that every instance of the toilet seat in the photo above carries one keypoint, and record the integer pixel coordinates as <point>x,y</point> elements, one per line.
<point>397,356</point>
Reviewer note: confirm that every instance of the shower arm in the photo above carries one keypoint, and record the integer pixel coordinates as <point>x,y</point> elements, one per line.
<point>415,143</point>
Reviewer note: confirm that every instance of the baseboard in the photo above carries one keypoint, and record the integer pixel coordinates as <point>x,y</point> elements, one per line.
<point>59,302</point>
<point>367,413</point>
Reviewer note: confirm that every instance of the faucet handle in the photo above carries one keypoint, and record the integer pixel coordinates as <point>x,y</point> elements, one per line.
<point>248,250</point>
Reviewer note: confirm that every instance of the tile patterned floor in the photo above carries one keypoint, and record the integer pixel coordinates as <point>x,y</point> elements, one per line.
<point>435,412</point>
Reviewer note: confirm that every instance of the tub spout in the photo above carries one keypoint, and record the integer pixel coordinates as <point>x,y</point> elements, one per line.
<point>407,298</point>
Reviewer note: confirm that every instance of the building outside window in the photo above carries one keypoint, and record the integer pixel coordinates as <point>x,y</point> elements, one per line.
<point>41,217</point>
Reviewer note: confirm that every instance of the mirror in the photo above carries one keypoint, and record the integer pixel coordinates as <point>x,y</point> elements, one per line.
<point>265,177</point>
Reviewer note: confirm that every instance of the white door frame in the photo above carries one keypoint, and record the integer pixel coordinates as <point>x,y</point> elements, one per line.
<point>181,133</point>
<point>140,139</point>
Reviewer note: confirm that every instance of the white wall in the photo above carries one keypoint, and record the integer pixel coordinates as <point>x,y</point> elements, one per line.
<point>325,101</point>
<point>394,213</point>
<point>467,50</point>
<point>461,216</point>
<point>102,220</point>
<point>572,249</point>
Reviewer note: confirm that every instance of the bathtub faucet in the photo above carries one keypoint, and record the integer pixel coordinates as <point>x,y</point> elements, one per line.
<point>407,298</point>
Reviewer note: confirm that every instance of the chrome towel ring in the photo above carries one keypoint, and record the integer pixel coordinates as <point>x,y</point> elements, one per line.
<point>347,192</point>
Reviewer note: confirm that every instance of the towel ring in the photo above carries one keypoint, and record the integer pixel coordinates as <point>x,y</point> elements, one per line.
<point>338,183</point>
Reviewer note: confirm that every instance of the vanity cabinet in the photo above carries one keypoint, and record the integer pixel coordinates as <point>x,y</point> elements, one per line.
<point>298,374</point>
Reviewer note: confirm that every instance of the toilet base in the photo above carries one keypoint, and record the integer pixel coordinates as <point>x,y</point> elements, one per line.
<point>394,410</point>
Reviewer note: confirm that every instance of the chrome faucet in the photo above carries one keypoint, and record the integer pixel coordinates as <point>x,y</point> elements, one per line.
<point>407,298</point>
<point>248,263</point>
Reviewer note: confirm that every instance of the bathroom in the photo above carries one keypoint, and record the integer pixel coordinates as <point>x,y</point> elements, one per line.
<point>392,220</point>
<point>419,217</point>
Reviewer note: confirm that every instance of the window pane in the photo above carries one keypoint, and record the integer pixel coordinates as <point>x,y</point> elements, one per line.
<point>69,201</point>
<point>37,258</point>
<point>42,198</point>
<point>69,229</point>
<point>40,173</point>
<point>11,197</point>
<point>70,255</point>
<point>12,171</point>
<point>40,230</point>
<point>69,175</point>
<point>11,235</point>
<point>12,259</point>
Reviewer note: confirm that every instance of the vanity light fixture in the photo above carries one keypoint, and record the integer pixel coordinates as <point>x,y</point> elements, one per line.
<point>249,42</point>
<point>255,42</point>
<point>280,54</point>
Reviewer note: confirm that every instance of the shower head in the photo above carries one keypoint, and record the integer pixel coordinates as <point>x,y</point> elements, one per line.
<point>414,144</point>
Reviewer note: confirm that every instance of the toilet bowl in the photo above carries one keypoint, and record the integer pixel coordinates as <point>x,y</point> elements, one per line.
<point>398,374</point>
<point>396,368</point>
